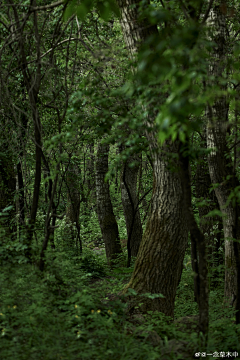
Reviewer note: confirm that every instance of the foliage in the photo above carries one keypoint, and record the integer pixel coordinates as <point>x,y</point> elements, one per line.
<point>61,314</point>
<point>87,91</point>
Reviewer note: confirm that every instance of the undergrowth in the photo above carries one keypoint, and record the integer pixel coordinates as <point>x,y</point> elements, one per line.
<point>73,311</point>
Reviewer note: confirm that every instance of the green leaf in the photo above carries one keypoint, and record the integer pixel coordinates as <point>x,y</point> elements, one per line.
<point>7,208</point>
<point>153,296</point>
<point>82,11</point>
<point>131,292</point>
<point>70,10</point>
<point>214,213</point>
<point>104,10</point>
<point>84,8</point>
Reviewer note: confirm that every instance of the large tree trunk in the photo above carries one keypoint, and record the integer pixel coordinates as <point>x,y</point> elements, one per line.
<point>106,217</point>
<point>130,204</point>
<point>158,265</point>
<point>159,262</point>
<point>220,167</point>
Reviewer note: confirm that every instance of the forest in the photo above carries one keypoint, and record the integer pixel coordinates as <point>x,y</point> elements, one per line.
<point>119,179</point>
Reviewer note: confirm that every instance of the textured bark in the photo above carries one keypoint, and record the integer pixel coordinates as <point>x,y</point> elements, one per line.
<point>159,262</point>
<point>143,203</point>
<point>160,257</point>
<point>134,31</point>
<point>219,166</point>
<point>106,217</point>
<point>130,204</point>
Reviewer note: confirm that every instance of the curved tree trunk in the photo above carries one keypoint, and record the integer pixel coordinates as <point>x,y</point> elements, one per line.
<point>106,217</point>
<point>130,204</point>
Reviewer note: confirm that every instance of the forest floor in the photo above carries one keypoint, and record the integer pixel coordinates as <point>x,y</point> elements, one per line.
<point>74,311</point>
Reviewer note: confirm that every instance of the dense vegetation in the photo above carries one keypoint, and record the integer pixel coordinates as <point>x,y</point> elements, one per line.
<point>119,180</point>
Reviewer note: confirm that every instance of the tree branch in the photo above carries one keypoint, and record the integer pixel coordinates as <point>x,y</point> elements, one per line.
<point>46,7</point>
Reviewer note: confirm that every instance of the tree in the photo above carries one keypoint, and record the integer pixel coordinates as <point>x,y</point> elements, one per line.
<point>165,238</point>
<point>130,203</point>
<point>221,169</point>
<point>73,205</point>
<point>106,217</point>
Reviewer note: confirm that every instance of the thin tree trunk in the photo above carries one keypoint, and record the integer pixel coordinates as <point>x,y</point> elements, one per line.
<point>32,81</point>
<point>7,189</point>
<point>220,168</point>
<point>106,217</point>
<point>49,230</point>
<point>90,176</point>
<point>207,225</point>
<point>22,133</point>
<point>73,204</point>
<point>20,195</point>
<point>130,204</point>
<point>197,237</point>
<point>37,184</point>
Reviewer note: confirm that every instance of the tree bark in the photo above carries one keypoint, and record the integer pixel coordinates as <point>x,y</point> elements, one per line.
<point>220,167</point>
<point>106,217</point>
<point>210,226</point>
<point>143,203</point>
<point>197,237</point>
<point>130,203</point>
<point>159,262</point>
<point>160,257</point>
